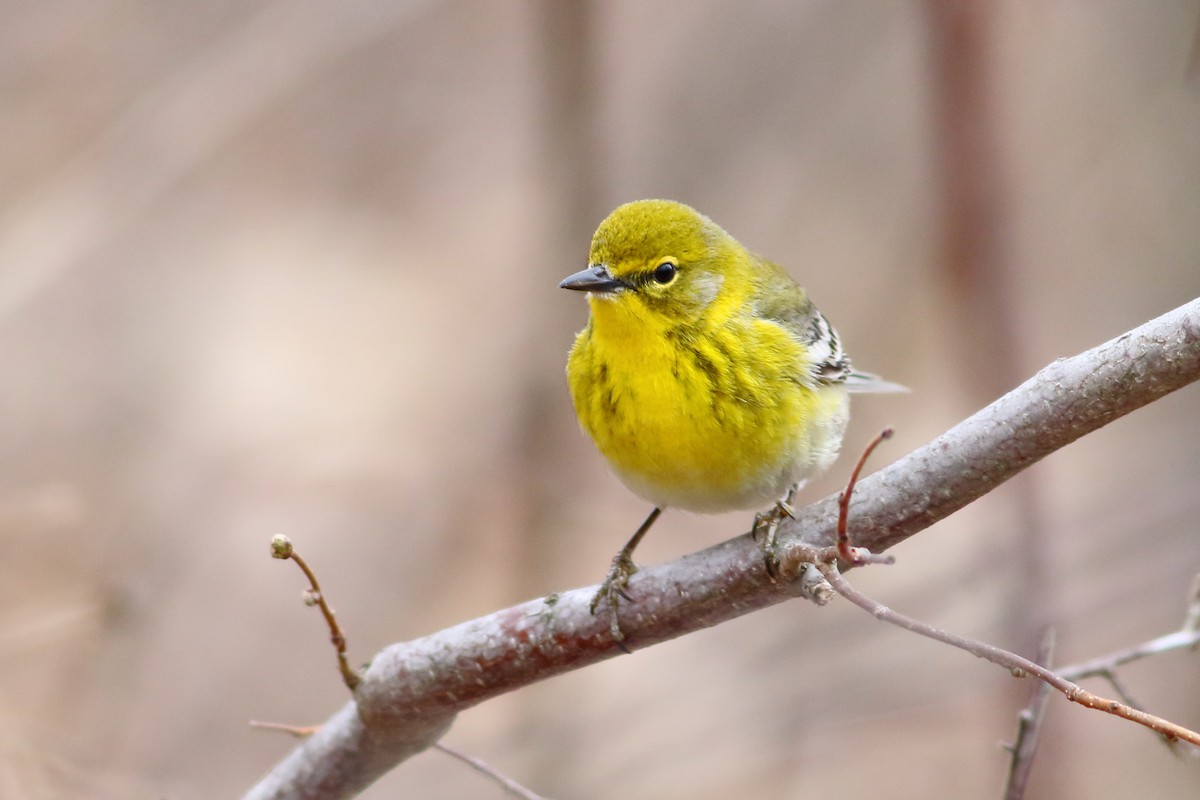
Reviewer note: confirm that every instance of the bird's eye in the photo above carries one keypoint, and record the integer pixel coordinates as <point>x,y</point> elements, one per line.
<point>665,272</point>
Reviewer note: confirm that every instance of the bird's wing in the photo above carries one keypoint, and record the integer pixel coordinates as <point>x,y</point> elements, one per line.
<point>780,300</point>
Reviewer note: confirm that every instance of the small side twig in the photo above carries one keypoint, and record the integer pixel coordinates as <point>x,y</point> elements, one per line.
<point>800,563</point>
<point>1029,723</point>
<point>857,556</point>
<point>298,731</point>
<point>1014,663</point>
<point>509,785</point>
<point>1118,686</point>
<point>281,547</point>
<point>1106,666</point>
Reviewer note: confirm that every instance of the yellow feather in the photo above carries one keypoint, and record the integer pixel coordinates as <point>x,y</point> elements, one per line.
<point>700,391</point>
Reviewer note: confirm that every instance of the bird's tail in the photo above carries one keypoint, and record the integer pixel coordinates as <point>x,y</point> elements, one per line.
<point>866,382</point>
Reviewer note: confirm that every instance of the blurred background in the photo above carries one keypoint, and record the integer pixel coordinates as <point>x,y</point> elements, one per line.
<point>291,267</point>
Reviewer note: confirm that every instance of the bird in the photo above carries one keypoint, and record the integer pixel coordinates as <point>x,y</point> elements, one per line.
<point>705,375</point>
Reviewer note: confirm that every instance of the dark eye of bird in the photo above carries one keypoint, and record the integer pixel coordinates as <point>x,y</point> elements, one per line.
<point>664,272</point>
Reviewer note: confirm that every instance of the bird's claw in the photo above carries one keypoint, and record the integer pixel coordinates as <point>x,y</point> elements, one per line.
<point>610,593</point>
<point>767,523</point>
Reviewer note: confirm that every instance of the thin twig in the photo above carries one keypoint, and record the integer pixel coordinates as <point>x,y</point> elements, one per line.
<point>857,556</point>
<point>1029,723</point>
<point>1015,663</point>
<point>509,785</point>
<point>1011,661</point>
<point>1119,687</point>
<point>281,547</point>
<point>299,731</point>
<point>1107,664</point>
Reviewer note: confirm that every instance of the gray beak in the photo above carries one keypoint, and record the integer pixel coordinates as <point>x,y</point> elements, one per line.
<point>593,279</point>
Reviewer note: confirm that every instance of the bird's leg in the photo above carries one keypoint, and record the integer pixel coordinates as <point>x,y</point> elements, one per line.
<point>768,522</point>
<point>613,587</point>
<point>785,505</point>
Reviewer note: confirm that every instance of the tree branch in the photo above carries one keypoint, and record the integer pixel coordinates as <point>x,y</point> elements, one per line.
<point>411,691</point>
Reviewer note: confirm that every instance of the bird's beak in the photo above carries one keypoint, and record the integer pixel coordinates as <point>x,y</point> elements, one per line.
<point>593,279</point>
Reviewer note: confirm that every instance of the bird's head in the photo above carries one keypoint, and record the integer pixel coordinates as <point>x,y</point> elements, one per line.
<point>658,260</point>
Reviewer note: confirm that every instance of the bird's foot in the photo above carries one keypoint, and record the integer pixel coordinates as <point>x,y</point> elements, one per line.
<point>766,526</point>
<point>611,592</point>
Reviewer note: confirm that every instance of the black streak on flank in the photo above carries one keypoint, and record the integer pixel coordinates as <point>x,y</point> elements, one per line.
<point>605,390</point>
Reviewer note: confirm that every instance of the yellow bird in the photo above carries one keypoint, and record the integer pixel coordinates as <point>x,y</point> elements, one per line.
<point>705,375</point>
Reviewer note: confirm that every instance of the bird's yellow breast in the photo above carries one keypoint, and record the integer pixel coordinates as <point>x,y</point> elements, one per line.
<point>706,416</point>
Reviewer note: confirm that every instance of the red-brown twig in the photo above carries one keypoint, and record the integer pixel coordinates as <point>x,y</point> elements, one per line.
<point>281,547</point>
<point>1011,661</point>
<point>799,562</point>
<point>857,556</point>
<point>1106,666</point>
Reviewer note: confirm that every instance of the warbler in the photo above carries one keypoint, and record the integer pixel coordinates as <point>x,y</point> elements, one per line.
<point>705,375</point>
